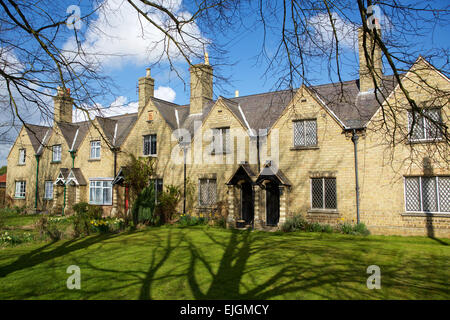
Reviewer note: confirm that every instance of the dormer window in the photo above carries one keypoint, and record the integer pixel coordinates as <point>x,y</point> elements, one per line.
<point>150,145</point>
<point>426,126</point>
<point>22,156</point>
<point>95,149</point>
<point>56,153</point>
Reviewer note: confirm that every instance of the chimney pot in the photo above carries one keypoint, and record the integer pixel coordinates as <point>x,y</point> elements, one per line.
<point>236,94</point>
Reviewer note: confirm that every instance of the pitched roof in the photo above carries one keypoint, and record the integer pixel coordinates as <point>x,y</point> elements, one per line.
<point>3,178</point>
<point>349,105</point>
<point>259,111</point>
<point>78,175</point>
<point>37,135</point>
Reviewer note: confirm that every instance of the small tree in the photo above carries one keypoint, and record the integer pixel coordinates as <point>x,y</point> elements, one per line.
<point>137,173</point>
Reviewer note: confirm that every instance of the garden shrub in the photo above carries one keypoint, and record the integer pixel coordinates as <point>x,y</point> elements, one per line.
<point>88,210</point>
<point>168,201</point>
<point>346,228</point>
<point>294,223</point>
<point>361,229</point>
<point>297,222</point>
<point>187,220</point>
<point>13,239</point>
<point>50,228</point>
<point>143,210</point>
<point>107,225</point>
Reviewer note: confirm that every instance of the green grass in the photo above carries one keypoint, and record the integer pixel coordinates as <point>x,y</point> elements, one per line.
<point>13,220</point>
<point>209,263</point>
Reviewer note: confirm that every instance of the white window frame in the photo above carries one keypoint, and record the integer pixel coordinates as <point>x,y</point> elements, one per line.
<point>211,202</point>
<point>56,150</point>
<point>21,188</point>
<point>100,184</point>
<point>48,192</point>
<point>302,122</point>
<point>150,138</point>
<point>22,155</point>
<point>323,194</point>
<point>425,125</point>
<point>95,151</point>
<point>437,185</point>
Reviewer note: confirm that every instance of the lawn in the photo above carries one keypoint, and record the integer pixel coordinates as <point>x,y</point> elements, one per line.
<point>210,263</point>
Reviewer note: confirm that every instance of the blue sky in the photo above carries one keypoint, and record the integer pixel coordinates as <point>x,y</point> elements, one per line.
<point>244,71</point>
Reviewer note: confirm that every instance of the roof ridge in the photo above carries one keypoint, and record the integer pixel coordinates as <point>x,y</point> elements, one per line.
<point>263,93</point>
<point>172,103</point>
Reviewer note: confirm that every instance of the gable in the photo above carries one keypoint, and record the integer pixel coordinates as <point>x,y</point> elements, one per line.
<point>425,84</point>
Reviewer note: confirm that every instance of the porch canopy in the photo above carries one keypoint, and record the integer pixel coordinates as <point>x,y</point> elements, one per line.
<point>242,174</point>
<point>62,177</point>
<point>75,177</point>
<point>272,174</point>
<point>120,178</point>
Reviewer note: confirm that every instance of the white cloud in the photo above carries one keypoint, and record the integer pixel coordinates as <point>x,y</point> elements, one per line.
<point>165,93</point>
<point>117,107</point>
<point>119,35</point>
<point>120,106</point>
<point>323,30</point>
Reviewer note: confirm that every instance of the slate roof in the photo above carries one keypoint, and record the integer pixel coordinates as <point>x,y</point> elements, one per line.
<point>78,176</point>
<point>259,111</point>
<point>37,134</point>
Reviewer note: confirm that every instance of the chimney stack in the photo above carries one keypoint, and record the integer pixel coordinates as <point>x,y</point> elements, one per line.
<point>63,105</point>
<point>236,94</point>
<point>201,85</point>
<point>146,89</point>
<point>373,63</point>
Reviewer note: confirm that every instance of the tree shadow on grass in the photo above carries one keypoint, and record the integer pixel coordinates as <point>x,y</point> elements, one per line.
<point>41,254</point>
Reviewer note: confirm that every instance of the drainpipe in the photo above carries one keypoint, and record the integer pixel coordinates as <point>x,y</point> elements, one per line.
<point>355,138</point>
<point>72,154</point>
<point>257,150</point>
<point>184,181</point>
<point>37,182</point>
<point>114,150</point>
<point>64,203</point>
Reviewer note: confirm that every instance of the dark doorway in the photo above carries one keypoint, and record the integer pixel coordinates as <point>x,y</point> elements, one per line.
<point>247,205</point>
<point>272,204</point>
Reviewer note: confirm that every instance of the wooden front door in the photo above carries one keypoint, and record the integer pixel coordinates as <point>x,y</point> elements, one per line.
<point>272,204</point>
<point>247,205</point>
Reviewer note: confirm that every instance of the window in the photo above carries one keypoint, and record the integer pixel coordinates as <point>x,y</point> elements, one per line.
<point>207,192</point>
<point>22,156</point>
<point>323,193</point>
<point>100,192</point>
<point>20,189</point>
<point>158,185</point>
<point>150,145</point>
<point>56,153</point>
<point>424,129</point>
<point>305,133</point>
<point>427,194</point>
<point>48,190</point>
<point>220,143</point>
<point>95,149</point>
